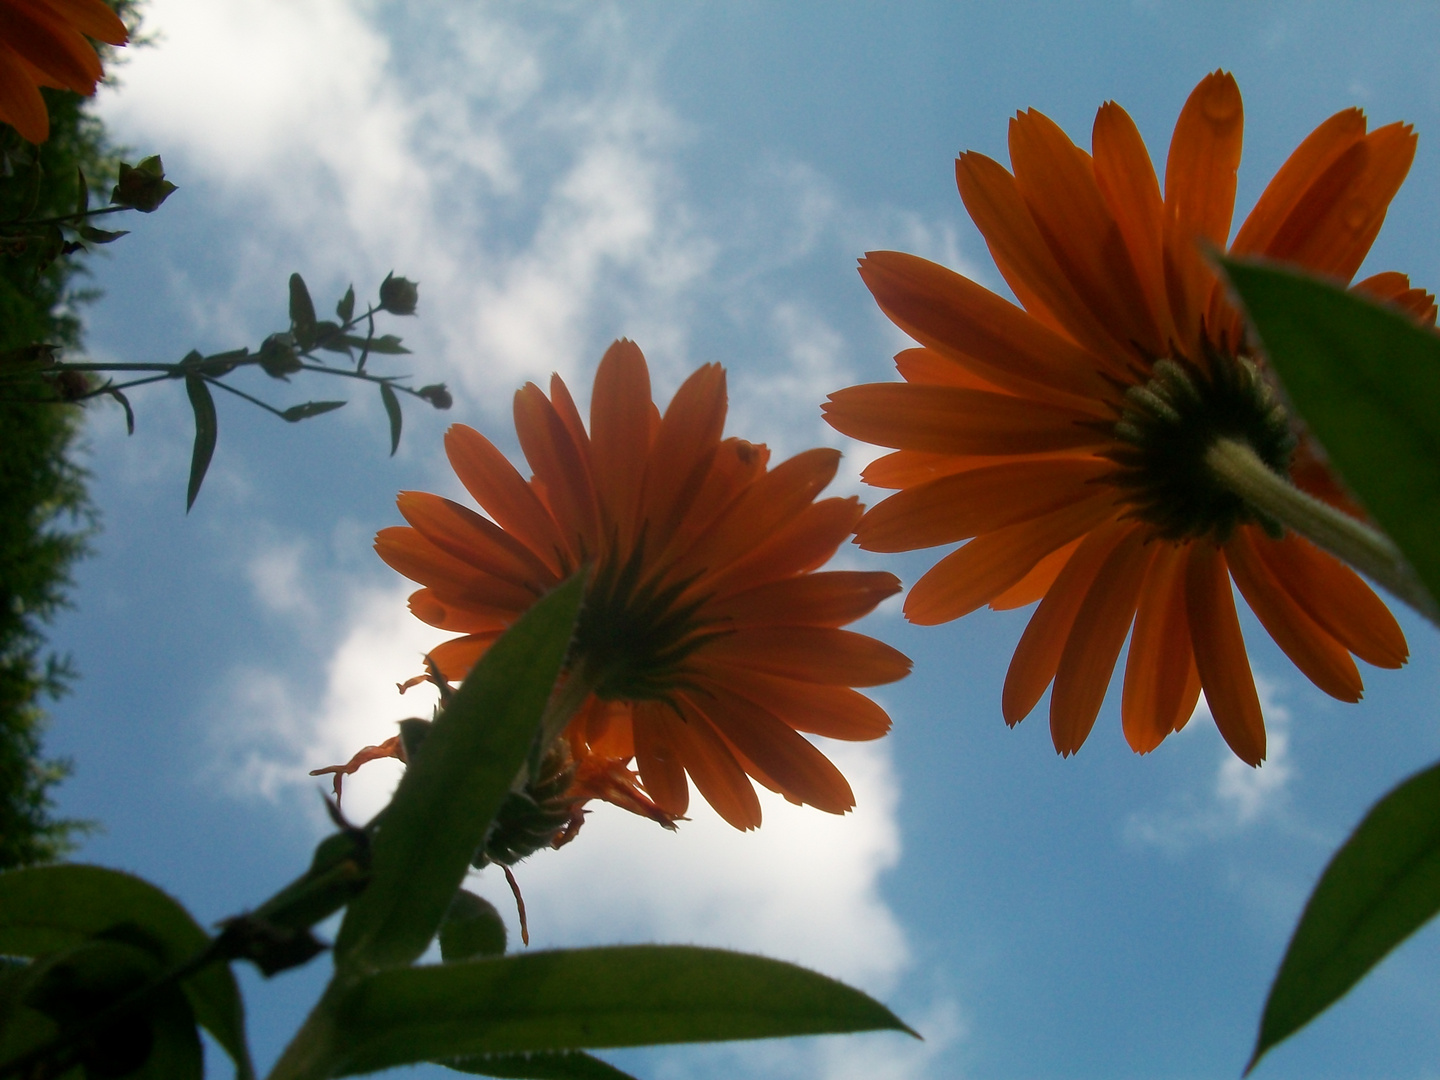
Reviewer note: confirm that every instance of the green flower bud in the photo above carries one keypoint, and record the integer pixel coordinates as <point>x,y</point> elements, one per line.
<point>398,296</point>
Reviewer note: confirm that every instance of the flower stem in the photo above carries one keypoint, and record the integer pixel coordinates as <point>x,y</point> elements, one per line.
<point>1368,550</point>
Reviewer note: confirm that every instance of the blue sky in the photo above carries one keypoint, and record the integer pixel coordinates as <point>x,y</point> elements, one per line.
<point>700,178</point>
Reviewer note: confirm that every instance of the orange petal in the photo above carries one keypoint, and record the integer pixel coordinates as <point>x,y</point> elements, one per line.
<point>1024,259</point>
<point>429,608</point>
<point>1332,227</point>
<point>620,436</point>
<point>766,506</point>
<point>455,658</point>
<point>455,582</point>
<point>682,451</point>
<point>1057,182</point>
<point>93,18</point>
<point>974,328</point>
<point>907,468</point>
<point>1309,161</point>
<point>805,544</point>
<point>660,762</point>
<point>837,712</point>
<point>713,767</point>
<point>988,565</point>
<point>1200,197</point>
<point>1220,654</point>
<point>562,468</point>
<point>1043,642</point>
<point>1126,179</point>
<point>826,599</point>
<point>477,541</point>
<point>1037,582</point>
<point>1395,289</point>
<point>51,44</point>
<point>495,484</point>
<point>793,765</point>
<point>1093,644</point>
<point>1335,597</point>
<point>1205,157</point>
<point>949,420</point>
<point>921,365</point>
<point>979,501</point>
<point>21,105</point>
<point>1324,661</point>
<point>817,654</point>
<point>1161,681</point>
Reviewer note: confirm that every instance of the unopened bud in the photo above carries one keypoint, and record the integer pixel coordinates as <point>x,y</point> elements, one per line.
<point>142,187</point>
<point>398,296</point>
<point>277,356</point>
<point>437,395</point>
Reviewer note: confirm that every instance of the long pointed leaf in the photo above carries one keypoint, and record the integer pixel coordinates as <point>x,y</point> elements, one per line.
<point>1381,886</point>
<point>206,429</point>
<point>302,313</point>
<point>452,789</point>
<point>629,995</point>
<point>559,1065</point>
<point>1366,379</point>
<point>392,410</point>
<point>46,909</point>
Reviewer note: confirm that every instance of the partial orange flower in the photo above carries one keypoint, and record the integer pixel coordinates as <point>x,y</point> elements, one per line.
<point>709,635</point>
<point>1066,438</point>
<point>43,43</point>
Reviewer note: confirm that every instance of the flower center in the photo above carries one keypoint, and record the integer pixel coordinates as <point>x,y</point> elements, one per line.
<point>633,637</point>
<point>1166,427</point>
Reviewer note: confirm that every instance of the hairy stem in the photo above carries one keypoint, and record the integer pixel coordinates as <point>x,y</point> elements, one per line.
<point>1369,551</point>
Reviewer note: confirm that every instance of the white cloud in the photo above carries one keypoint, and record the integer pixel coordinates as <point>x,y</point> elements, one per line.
<point>277,575</point>
<point>1239,796</point>
<point>529,181</point>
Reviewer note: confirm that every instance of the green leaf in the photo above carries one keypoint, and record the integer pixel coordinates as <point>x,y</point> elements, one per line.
<point>47,909</point>
<point>1366,379</point>
<point>101,236</point>
<point>1381,886</point>
<point>557,1065</point>
<point>302,313</point>
<point>385,344</point>
<point>450,792</point>
<point>82,194</point>
<point>156,1040</point>
<point>392,410</point>
<point>472,928</point>
<point>627,995</point>
<point>345,309</point>
<point>296,413</point>
<point>206,429</point>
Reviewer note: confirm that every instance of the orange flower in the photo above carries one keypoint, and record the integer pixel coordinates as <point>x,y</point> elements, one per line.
<point>708,636</point>
<point>42,43</point>
<point>1067,439</point>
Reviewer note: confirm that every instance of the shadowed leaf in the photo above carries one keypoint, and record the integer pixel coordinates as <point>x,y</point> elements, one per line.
<point>629,995</point>
<point>48,909</point>
<point>558,1065</point>
<point>302,313</point>
<point>206,430</point>
<point>296,413</point>
<point>452,789</point>
<point>392,410</point>
<point>1381,886</point>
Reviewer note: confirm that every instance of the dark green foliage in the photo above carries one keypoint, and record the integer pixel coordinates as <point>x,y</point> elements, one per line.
<point>45,516</point>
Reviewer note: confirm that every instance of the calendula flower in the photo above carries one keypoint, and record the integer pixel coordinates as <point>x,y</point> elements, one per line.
<point>43,43</point>
<point>709,638</point>
<point>1075,440</point>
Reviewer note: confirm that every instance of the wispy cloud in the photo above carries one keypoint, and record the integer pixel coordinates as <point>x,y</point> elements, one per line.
<point>1238,797</point>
